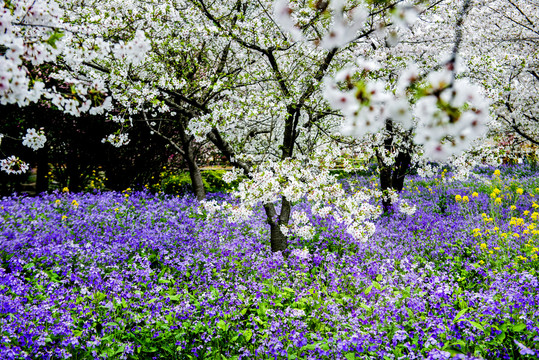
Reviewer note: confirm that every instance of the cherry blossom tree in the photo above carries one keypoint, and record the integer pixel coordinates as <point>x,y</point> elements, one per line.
<point>278,88</point>
<point>509,67</point>
<point>158,70</point>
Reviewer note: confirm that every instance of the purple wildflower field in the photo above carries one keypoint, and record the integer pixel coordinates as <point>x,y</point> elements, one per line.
<point>134,275</point>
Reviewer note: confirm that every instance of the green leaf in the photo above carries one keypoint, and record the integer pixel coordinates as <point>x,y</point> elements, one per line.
<point>459,315</point>
<point>350,356</point>
<point>221,324</point>
<point>55,36</point>
<point>376,285</point>
<point>368,290</point>
<point>378,278</point>
<point>477,325</point>
<point>519,327</point>
<point>247,334</point>
<point>368,308</point>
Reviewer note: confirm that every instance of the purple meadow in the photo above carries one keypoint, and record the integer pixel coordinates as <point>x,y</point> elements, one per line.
<point>139,276</point>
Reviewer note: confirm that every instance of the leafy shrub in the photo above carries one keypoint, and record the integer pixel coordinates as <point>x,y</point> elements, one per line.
<point>180,182</point>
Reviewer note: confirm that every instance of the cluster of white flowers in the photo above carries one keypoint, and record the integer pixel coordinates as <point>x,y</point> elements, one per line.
<point>232,175</point>
<point>133,51</point>
<point>210,207</point>
<point>301,253</point>
<point>13,165</point>
<point>406,208</point>
<point>295,181</point>
<point>345,24</point>
<point>117,140</point>
<point>448,116</point>
<point>294,313</point>
<point>34,139</point>
<point>199,127</point>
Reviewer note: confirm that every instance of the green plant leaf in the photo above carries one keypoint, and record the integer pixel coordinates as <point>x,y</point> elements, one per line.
<point>459,315</point>
<point>247,334</point>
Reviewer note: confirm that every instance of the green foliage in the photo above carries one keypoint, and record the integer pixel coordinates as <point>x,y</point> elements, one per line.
<point>174,182</point>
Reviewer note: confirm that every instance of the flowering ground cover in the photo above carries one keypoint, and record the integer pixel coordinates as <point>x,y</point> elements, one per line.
<point>134,275</point>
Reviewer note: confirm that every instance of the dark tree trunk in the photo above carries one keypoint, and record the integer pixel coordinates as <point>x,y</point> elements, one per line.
<point>385,185</point>
<point>195,174</point>
<point>401,167</point>
<point>190,159</point>
<point>187,151</point>
<point>392,177</point>
<point>279,242</point>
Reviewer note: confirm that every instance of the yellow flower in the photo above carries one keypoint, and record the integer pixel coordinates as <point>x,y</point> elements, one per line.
<point>513,207</point>
<point>458,198</point>
<point>465,199</point>
<point>496,228</point>
<point>57,201</point>
<point>497,191</point>
<point>64,217</point>
<point>496,172</point>
<point>474,194</point>
<point>498,200</point>
<point>75,203</point>
<point>483,246</point>
<point>526,212</point>
<point>496,248</point>
<point>65,189</point>
<point>493,195</point>
<point>535,215</point>
<point>534,205</point>
<point>520,191</point>
<point>516,235</point>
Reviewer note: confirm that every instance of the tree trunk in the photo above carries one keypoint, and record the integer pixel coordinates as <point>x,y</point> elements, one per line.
<point>279,242</point>
<point>190,159</point>
<point>385,186</point>
<point>195,174</point>
<point>401,166</point>
<point>392,176</point>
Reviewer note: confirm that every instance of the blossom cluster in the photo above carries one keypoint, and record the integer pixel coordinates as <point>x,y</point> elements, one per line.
<point>13,165</point>
<point>34,139</point>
